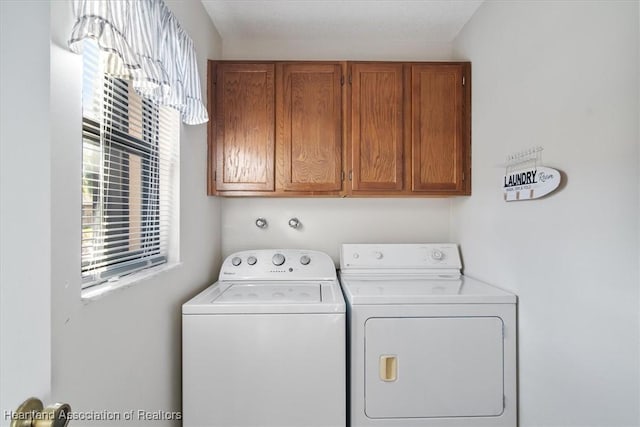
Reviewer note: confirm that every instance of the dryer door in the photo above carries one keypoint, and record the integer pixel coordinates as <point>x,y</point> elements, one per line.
<point>433,367</point>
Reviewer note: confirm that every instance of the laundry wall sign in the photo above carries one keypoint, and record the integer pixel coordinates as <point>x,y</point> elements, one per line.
<point>526,179</point>
<point>530,183</point>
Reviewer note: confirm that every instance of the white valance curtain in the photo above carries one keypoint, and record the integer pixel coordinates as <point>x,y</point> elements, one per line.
<point>148,47</point>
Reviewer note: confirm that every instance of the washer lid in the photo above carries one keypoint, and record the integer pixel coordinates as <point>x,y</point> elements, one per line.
<point>250,293</point>
<point>417,290</point>
<point>244,297</point>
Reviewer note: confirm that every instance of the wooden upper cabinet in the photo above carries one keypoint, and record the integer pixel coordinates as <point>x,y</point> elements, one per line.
<point>309,127</point>
<point>439,139</point>
<point>376,126</point>
<point>295,128</point>
<point>245,126</point>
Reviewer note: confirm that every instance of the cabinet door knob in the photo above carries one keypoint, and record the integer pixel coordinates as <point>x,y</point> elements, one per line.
<point>261,223</point>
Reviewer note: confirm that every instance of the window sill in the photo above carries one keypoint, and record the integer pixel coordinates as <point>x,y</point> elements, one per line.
<point>98,291</point>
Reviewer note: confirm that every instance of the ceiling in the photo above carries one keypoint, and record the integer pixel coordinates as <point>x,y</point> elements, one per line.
<point>435,21</point>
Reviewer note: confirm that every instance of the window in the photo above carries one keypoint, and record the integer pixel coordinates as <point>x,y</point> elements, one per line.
<point>129,173</point>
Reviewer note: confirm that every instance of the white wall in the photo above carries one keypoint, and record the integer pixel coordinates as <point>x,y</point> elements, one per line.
<point>331,49</point>
<point>123,351</point>
<point>329,222</point>
<point>326,223</point>
<point>25,230</point>
<point>563,75</point>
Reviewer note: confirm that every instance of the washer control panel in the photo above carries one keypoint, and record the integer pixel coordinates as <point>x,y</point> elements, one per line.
<point>288,264</point>
<point>427,257</point>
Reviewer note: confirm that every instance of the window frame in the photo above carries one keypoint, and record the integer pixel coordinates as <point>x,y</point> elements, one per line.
<point>154,250</point>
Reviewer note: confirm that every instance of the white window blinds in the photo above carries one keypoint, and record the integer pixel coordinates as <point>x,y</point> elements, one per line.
<point>129,173</point>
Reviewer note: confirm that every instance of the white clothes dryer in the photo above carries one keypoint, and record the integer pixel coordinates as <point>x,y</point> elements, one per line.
<point>428,346</point>
<point>265,346</point>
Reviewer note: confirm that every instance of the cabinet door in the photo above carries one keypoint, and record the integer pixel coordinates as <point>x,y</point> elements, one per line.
<point>376,126</point>
<point>309,115</point>
<point>245,126</point>
<point>438,140</point>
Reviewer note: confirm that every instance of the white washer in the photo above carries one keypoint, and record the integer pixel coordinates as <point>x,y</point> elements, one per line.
<point>428,347</point>
<point>265,345</point>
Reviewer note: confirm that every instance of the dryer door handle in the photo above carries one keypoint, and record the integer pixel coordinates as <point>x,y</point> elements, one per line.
<point>388,367</point>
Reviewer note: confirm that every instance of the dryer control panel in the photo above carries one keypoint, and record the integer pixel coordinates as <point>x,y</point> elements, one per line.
<point>424,258</point>
<point>278,264</point>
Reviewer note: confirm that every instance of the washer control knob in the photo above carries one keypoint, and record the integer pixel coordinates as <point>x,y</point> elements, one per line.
<point>252,260</point>
<point>378,255</point>
<point>236,261</point>
<point>305,260</point>
<point>278,259</point>
<point>356,255</point>
<point>437,255</point>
